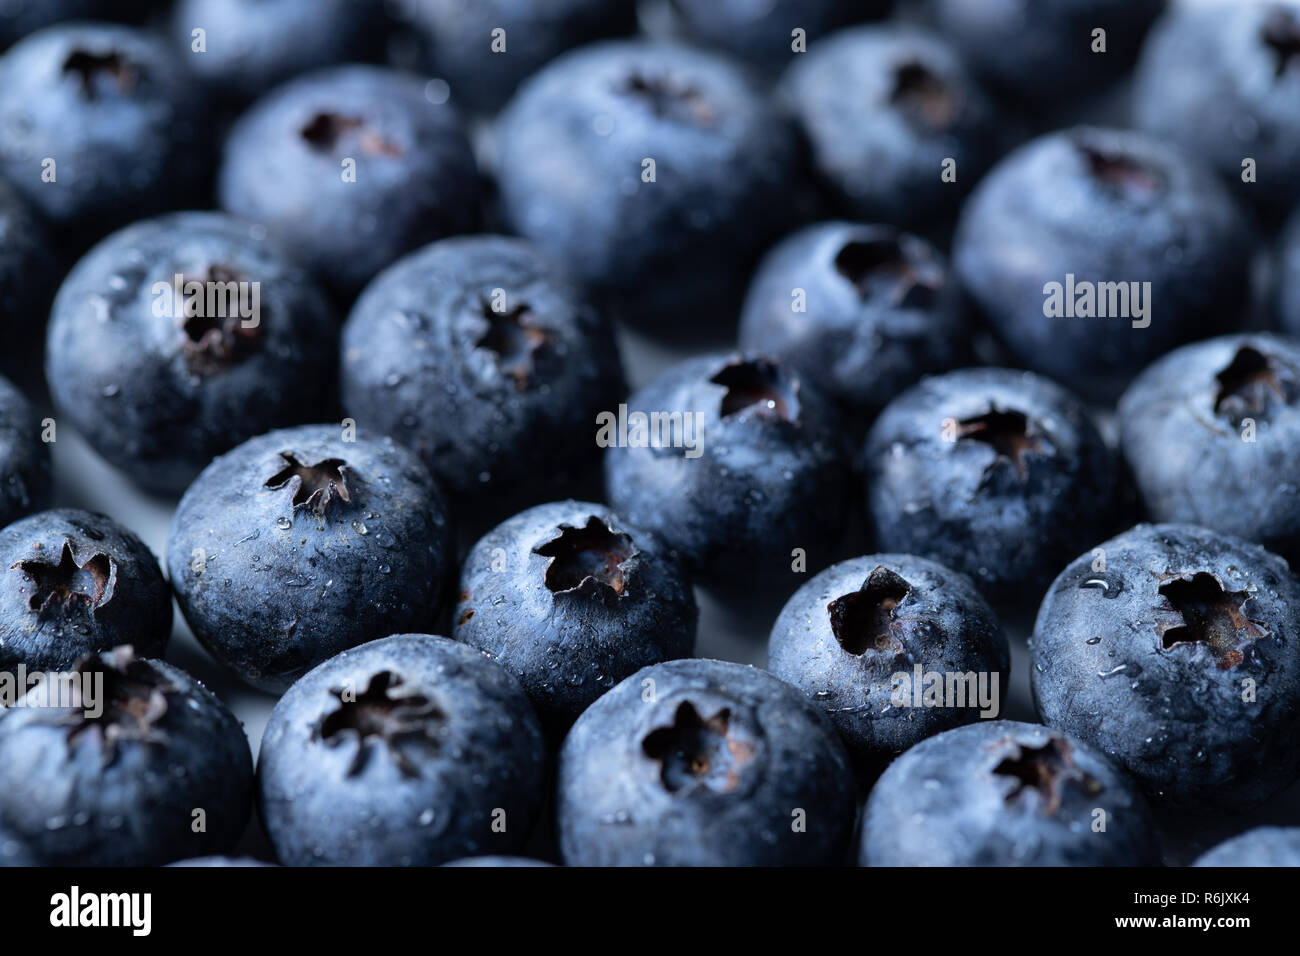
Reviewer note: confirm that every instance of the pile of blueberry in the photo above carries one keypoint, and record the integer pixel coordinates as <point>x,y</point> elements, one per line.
<point>568,329</point>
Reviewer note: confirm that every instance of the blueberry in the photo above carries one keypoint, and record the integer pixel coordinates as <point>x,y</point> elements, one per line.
<point>1262,846</point>
<point>483,67</point>
<point>113,111</point>
<point>1222,81</point>
<point>1002,793</point>
<point>1146,250</point>
<point>864,310</point>
<point>219,862</point>
<point>571,600</point>
<point>496,861</point>
<point>479,355</point>
<point>407,751</point>
<point>1171,649</point>
<point>351,166</point>
<point>998,474</point>
<point>28,276</point>
<point>1289,274</point>
<point>1208,429</point>
<point>847,635</point>
<point>703,763</point>
<point>763,30</point>
<point>134,763</point>
<point>350,536</point>
<point>160,378</point>
<point>251,45</point>
<point>654,171</point>
<point>738,464</point>
<point>1042,52</point>
<point>25,482</point>
<point>73,583</point>
<point>885,108</point>
<point>21,17</point>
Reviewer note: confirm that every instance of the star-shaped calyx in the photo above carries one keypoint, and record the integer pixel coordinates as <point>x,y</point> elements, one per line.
<point>332,132</point>
<point>1120,174</point>
<point>592,559</point>
<point>213,343</point>
<point>101,72</point>
<point>1011,435</point>
<point>668,97</point>
<point>515,340</point>
<point>315,487</point>
<point>758,387</point>
<point>67,584</point>
<point>1197,610</point>
<point>1281,34</point>
<point>1247,384</point>
<point>881,271</point>
<point>390,713</point>
<point>865,620</point>
<point>695,751</point>
<point>1044,771</point>
<point>924,96</point>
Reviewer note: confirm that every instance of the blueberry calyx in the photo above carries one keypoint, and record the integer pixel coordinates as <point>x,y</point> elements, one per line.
<point>1209,615</point>
<point>699,752</point>
<point>1118,173</point>
<point>326,131</point>
<point>71,583</point>
<point>389,711</point>
<point>97,71</point>
<point>864,620</point>
<point>514,340</point>
<point>880,268</point>
<point>758,386</point>
<point>1008,433</point>
<point>316,486</point>
<point>593,559</point>
<point>213,343</point>
<point>1247,381</point>
<point>669,98</point>
<point>1043,770</point>
<point>923,96</point>
<point>1281,32</point>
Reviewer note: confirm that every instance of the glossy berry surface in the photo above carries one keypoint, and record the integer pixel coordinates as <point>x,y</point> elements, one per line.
<point>571,599</point>
<point>885,108</point>
<point>351,167</point>
<point>1262,846</point>
<point>1149,648</point>
<point>878,310</point>
<point>703,763</point>
<point>73,583</point>
<point>121,775</point>
<point>407,751</point>
<point>1102,206</point>
<point>351,536</point>
<point>996,473</point>
<point>1003,793</point>
<point>162,374</point>
<point>666,245</point>
<point>1209,429</point>
<point>25,481</point>
<point>848,634</point>
<point>755,469</point>
<point>478,353</point>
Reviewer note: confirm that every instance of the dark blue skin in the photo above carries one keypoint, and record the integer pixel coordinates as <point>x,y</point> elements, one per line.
<point>477,353</point>
<point>351,538</point>
<point>160,395</point>
<point>880,311</point>
<point>251,45</point>
<point>996,473</point>
<point>412,770</point>
<point>1003,793</point>
<point>73,583</point>
<point>1182,423</point>
<point>1178,660</point>
<point>669,254</point>
<point>116,112</point>
<point>122,788</point>
<point>760,30</point>
<point>28,276</point>
<point>1288,302</point>
<point>1262,846</point>
<point>415,175</point>
<point>703,763</point>
<point>571,600</point>
<point>1221,80</point>
<point>458,39</point>
<point>884,108</point>
<point>1104,206</point>
<point>1040,51</point>
<point>772,475</point>
<point>845,633</point>
<point>25,481</point>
